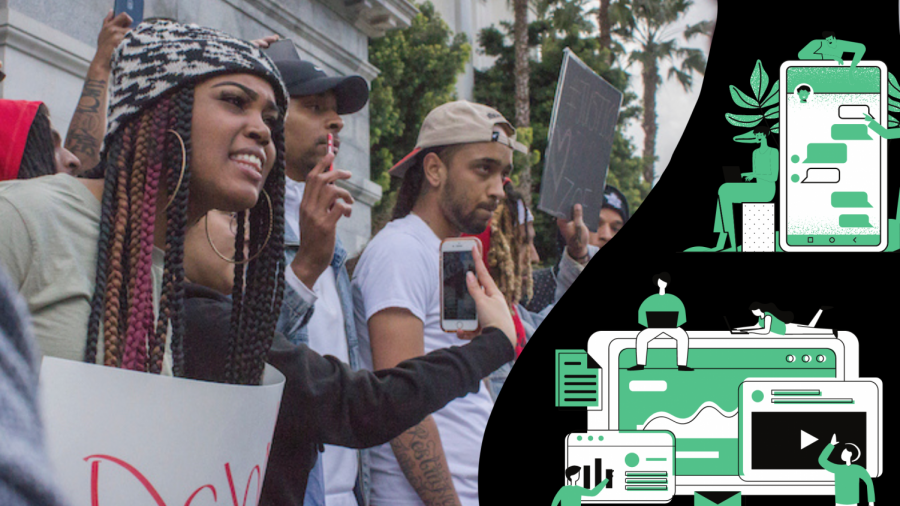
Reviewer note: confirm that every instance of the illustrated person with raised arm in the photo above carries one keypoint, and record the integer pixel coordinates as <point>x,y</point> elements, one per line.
<point>765,172</point>
<point>831,48</point>
<point>662,302</point>
<point>847,476</point>
<point>571,494</point>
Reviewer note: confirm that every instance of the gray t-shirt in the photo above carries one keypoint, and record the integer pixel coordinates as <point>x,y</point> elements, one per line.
<point>48,246</point>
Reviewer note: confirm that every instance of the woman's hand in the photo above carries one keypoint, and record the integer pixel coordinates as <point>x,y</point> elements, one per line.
<point>749,177</point>
<point>493,311</point>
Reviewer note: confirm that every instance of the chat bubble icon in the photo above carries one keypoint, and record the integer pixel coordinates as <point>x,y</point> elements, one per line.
<point>831,152</point>
<point>854,220</point>
<point>854,112</point>
<point>850,132</point>
<point>830,175</point>
<point>850,199</point>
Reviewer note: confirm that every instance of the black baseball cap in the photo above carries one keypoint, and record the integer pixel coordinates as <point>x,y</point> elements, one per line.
<point>615,200</point>
<point>304,78</point>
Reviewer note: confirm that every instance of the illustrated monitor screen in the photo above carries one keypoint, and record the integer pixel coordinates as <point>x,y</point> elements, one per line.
<point>700,407</point>
<point>775,438</point>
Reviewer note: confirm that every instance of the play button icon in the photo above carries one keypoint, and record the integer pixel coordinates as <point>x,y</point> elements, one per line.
<point>806,439</point>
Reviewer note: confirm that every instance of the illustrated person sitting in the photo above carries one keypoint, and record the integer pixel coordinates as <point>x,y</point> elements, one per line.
<point>803,92</point>
<point>651,308</point>
<point>847,476</point>
<point>771,319</point>
<point>571,494</point>
<point>832,49</point>
<point>765,172</point>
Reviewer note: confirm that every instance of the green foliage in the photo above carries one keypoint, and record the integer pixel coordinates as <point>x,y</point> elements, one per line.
<point>893,102</point>
<point>558,24</point>
<point>418,68</point>
<point>766,105</point>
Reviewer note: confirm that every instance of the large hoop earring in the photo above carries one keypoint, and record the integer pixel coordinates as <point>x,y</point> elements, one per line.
<point>254,257</point>
<point>183,165</point>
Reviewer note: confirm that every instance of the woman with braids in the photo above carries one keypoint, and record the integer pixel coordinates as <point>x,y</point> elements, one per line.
<point>195,124</point>
<point>325,401</point>
<point>29,145</point>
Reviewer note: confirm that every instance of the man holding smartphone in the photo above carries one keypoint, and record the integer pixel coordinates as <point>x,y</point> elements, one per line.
<point>452,183</point>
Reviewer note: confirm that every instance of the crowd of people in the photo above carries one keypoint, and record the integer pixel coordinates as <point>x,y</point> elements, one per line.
<point>187,226</point>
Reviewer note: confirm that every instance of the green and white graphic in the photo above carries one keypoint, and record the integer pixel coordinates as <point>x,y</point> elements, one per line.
<point>663,314</point>
<point>576,383</point>
<point>831,48</point>
<point>634,466</point>
<point>833,172</point>
<point>813,371</point>
<point>847,475</point>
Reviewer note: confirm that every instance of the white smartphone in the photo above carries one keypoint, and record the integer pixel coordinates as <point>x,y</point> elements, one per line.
<point>457,306</point>
<point>833,176</point>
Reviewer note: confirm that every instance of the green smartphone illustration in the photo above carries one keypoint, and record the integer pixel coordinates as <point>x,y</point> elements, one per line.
<point>833,169</point>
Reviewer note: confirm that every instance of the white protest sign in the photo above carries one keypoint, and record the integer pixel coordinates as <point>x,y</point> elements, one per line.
<point>122,437</point>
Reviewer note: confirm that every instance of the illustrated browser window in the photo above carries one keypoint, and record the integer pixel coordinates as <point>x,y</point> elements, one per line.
<point>833,167</point>
<point>701,407</point>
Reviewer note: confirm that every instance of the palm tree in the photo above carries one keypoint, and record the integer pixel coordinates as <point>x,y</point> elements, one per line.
<point>649,26</point>
<point>522,73</point>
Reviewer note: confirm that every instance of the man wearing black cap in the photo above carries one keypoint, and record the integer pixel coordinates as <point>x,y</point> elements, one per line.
<point>319,284</point>
<point>613,216</point>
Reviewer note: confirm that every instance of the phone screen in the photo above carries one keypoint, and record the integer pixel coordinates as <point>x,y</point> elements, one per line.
<point>834,183</point>
<point>458,304</point>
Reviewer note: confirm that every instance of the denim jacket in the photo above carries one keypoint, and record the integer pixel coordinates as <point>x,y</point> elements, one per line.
<point>295,315</point>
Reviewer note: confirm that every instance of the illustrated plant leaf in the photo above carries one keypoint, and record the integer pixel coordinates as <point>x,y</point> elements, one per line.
<point>893,86</point>
<point>746,138</point>
<point>893,107</point>
<point>772,97</point>
<point>742,99</point>
<point>772,113</point>
<point>759,80</point>
<point>743,120</point>
<point>775,128</point>
<point>892,122</point>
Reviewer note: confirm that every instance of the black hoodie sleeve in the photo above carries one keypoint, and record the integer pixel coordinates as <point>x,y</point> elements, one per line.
<point>325,399</point>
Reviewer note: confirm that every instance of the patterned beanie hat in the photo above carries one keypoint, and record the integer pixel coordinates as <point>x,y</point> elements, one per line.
<point>156,58</point>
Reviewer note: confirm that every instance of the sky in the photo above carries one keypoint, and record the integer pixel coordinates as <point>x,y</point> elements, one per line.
<point>673,104</point>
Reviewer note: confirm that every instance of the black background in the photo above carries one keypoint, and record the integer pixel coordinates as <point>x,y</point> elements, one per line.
<point>776,438</point>
<point>522,459</point>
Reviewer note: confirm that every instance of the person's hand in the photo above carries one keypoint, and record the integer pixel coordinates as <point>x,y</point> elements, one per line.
<point>575,233</point>
<point>111,35</point>
<point>493,311</point>
<point>266,41</point>
<point>834,440</point>
<point>748,177</point>
<point>320,211</point>
<point>868,118</point>
<point>840,61</point>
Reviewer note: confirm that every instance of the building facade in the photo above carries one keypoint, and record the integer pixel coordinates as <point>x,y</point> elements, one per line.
<point>470,17</point>
<point>47,45</point>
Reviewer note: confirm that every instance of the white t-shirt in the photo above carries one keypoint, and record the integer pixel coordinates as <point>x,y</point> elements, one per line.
<point>327,336</point>
<point>401,268</point>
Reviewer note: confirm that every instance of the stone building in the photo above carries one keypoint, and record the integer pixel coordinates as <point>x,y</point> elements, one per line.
<point>47,45</point>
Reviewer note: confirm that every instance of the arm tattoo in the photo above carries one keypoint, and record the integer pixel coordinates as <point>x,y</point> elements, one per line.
<point>421,457</point>
<point>89,122</point>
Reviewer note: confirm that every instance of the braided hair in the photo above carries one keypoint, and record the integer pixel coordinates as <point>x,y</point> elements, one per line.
<point>508,243</point>
<point>38,157</point>
<point>142,155</point>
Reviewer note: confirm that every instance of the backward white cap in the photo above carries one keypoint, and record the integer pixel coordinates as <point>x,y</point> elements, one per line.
<point>460,122</point>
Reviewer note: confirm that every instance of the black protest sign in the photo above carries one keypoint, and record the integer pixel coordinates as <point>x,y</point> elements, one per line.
<point>582,128</point>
